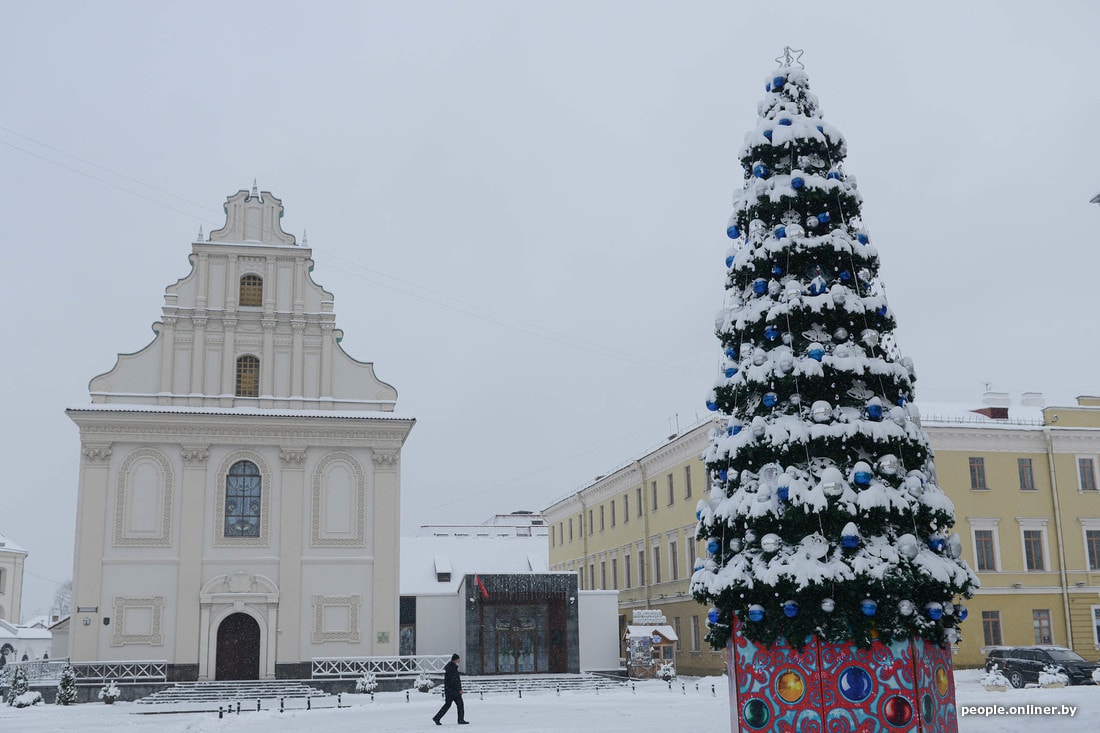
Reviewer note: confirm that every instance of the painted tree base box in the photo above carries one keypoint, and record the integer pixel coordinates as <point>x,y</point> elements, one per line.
<point>904,687</point>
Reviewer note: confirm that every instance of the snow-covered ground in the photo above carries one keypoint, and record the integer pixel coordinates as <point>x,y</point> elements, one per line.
<point>650,707</point>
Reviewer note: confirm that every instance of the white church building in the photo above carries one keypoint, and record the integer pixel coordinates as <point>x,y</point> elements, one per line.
<point>238,506</point>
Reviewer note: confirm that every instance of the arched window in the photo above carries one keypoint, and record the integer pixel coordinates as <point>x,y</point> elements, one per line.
<point>248,376</point>
<point>252,290</point>
<point>242,500</point>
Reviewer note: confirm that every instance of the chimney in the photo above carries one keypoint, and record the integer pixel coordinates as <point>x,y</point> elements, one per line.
<point>1032,399</point>
<point>995,405</point>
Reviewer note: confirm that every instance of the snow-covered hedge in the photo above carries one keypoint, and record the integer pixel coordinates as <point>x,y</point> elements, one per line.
<point>109,692</point>
<point>1053,676</point>
<point>366,683</point>
<point>423,682</point>
<point>994,679</point>
<point>27,699</point>
<point>667,671</point>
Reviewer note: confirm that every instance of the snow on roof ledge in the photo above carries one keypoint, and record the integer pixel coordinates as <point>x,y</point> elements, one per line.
<point>253,411</point>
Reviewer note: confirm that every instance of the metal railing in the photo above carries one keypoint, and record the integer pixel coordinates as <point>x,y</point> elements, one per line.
<point>87,673</point>
<point>383,667</point>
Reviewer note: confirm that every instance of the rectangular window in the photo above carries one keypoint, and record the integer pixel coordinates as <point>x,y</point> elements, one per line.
<point>571,529</point>
<point>671,491</point>
<point>592,576</point>
<point>1033,550</point>
<point>591,524</point>
<point>1086,470</point>
<point>1040,619</point>
<point>626,508</point>
<point>1092,548</point>
<point>601,517</point>
<point>615,573</point>
<point>612,512</point>
<point>977,474</point>
<point>1027,475</point>
<point>672,564</point>
<point>626,570</point>
<point>991,628</point>
<point>553,537</point>
<point>687,482</point>
<point>676,628</point>
<point>653,496</point>
<point>657,564</point>
<point>641,567</point>
<point>580,577</point>
<point>694,633</point>
<point>603,575</point>
<point>983,550</point>
<point>689,541</point>
<point>1096,625</point>
<point>639,498</point>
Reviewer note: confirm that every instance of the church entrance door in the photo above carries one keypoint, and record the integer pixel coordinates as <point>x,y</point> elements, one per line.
<point>238,655</point>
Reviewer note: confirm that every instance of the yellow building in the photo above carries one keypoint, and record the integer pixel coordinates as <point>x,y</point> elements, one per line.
<point>1023,479</point>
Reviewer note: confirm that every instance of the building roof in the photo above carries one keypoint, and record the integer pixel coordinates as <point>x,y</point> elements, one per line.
<point>253,411</point>
<point>664,630</point>
<point>423,558</point>
<point>7,545</point>
<point>11,631</point>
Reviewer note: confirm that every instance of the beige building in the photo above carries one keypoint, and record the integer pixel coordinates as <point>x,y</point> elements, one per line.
<point>1023,478</point>
<point>634,531</point>
<point>238,505</point>
<point>12,558</point>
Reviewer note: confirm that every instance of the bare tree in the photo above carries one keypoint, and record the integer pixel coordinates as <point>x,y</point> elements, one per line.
<point>63,598</point>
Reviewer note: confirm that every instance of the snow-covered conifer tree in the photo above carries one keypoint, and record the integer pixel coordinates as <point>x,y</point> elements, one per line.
<point>66,688</point>
<point>824,516</point>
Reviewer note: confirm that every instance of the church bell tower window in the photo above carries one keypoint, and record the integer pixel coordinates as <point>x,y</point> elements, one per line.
<point>248,376</point>
<point>252,291</point>
<point>243,493</point>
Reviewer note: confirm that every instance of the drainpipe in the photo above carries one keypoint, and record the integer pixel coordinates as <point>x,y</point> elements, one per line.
<point>645,528</point>
<point>1058,531</point>
<point>584,538</point>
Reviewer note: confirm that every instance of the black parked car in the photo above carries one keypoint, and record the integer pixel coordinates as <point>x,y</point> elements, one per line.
<point>1023,664</point>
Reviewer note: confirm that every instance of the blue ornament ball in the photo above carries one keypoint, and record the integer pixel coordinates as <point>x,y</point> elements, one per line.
<point>817,354</point>
<point>868,607</point>
<point>785,121</point>
<point>723,474</point>
<point>768,134</point>
<point>780,232</point>
<point>845,276</point>
<point>823,217</point>
<point>881,310</point>
<point>863,478</point>
<point>760,170</point>
<point>733,429</point>
<point>790,609</point>
<point>797,182</point>
<point>778,82</point>
<point>760,286</point>
<point>712,406</point>
<point>729,260</point>
<point>783,492</point>
<point>934,611</point>
<point>756,612</point>
<point>730,371</point>
<point>849,541</point>
<point>770,399</point>
<point>832,174</point>
<point>777,270</point>
<point>874,412</point>
<point>821,129</point>
<point>712,546</point>
<point>712,616</point>
<point>862,238</point>
<point>733,232</point>
<point>855,684</point>
<point>937,543</point>
<point>771,333</point>
<point>961,613</point>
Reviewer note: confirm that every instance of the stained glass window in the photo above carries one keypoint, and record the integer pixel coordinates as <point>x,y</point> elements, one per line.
<point>242,500</point>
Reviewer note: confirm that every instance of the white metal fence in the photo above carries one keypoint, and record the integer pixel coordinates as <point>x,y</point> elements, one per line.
<point>49,670</point>
<point>381,667</point>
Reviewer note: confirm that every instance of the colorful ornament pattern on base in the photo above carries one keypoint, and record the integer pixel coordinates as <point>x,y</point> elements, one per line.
<point>903,687</point>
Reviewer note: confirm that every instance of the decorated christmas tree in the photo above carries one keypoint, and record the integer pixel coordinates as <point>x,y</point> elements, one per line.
<point>824,517</point>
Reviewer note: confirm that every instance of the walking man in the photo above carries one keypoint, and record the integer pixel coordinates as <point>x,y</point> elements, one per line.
<point>452,692</point>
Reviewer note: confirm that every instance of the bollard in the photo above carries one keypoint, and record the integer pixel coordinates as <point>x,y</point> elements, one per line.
<point>670,685</point>
<point>219,712</point>
<point>309,704</point>
<point>481,695</point>
<point>559,690</point>
<point>696,686</point>
<point>281,700</point>
<point>340,698</point>
<point>634,688</point>
<point>257,704</point>
<point>684,688</point>
<point>712,692</point>
<point>372,696</point>
<point>406,696</point>
<point>520,691</point>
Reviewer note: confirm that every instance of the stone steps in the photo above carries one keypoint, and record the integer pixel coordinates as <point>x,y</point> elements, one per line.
<point>516,683</point>
<point>225,692</point>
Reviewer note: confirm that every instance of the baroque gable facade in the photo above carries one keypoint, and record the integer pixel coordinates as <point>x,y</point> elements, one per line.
<point>238,506</point>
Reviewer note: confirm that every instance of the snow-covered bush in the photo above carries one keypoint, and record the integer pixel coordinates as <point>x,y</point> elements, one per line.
<point>1096,675</point>
<point>1053,676</point>
<point>366,683</point>
<point>667,671</point>
<point>18,685</point>
<point>109,692</point>
<point>27,699</point>
<point>994,679</point>
<point>66,689</point>
<point>423,682</point>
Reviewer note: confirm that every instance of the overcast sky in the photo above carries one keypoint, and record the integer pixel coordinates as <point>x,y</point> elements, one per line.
<point>520,208</point>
